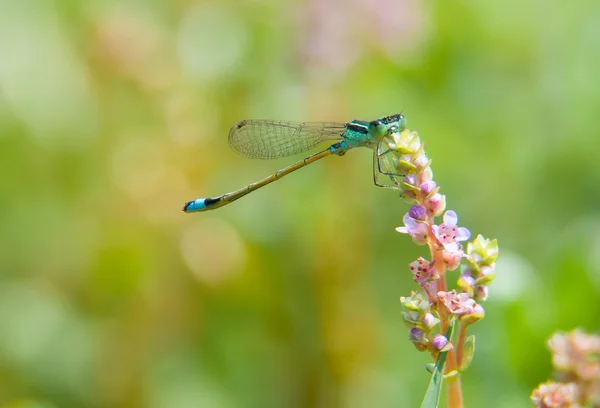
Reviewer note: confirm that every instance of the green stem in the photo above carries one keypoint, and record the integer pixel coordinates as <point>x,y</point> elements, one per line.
<point>460,343</point>
<point>455,399</point>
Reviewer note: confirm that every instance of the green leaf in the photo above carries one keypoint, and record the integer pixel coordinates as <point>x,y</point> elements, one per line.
<point>434,390</point>
<point>468,351</point>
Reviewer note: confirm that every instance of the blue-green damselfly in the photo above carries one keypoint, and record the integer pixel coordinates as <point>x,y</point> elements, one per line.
<point>270,139</point>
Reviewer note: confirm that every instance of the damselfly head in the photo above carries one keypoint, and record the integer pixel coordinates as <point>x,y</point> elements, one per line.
<point>387,125</point>
<point>377,129</point>
<point>398,120</point>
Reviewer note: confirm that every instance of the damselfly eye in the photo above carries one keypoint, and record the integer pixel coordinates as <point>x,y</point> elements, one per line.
<point>377,129</point>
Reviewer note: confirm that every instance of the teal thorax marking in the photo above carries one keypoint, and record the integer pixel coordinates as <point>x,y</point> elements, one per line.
<point>357,134</point>
<point>360,133</point>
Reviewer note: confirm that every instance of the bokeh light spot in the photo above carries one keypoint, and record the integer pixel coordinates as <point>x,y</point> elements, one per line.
<point>202,56</point>
<point>213,250</point>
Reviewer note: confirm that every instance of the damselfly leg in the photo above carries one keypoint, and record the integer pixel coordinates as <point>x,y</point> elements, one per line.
<point>382,162</point>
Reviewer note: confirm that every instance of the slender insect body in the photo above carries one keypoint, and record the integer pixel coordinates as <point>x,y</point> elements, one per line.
<point>339,149</point>
<point>269,139</point>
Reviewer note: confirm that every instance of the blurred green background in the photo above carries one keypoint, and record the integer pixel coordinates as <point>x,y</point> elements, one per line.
<point>114,113</point>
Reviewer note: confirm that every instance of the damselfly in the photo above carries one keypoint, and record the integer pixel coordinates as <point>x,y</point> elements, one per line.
<point>270,139</point>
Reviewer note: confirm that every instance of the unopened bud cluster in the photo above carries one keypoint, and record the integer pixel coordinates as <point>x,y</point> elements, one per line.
<point>413,165</point>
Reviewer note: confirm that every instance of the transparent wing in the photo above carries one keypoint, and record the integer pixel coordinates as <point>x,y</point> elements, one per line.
<point>271,139</point>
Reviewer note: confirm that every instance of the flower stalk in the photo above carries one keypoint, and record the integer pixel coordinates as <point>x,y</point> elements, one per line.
<point>431,309</point>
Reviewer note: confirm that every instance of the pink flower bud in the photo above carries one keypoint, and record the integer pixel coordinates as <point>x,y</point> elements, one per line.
<point>486,270</point>
<point>468,279</point>
<point>481,293</point>
<point>439,342</point>
<point>427,187</point>
<point>429,320</point>
<point>486,275</point>
<point>418,212</point>
<point>437,204</point>
<point>478,309</point>
<point>425,175</point>
<point>452,259</point>
<point>410,179</point>
<point>416,335</point>
<point>466,283</point>
<point>421,161</point>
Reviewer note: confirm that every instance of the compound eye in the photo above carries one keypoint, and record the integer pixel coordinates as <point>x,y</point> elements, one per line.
<point>375,123</point>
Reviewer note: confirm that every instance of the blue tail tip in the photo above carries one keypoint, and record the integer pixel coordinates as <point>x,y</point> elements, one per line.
<point>195,205</point>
